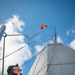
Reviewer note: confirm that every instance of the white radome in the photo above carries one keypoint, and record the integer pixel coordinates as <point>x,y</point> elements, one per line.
<point>55,59</point>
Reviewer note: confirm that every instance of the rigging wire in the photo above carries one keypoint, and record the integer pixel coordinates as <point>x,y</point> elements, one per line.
<point>33,56</point>
<point>36,64</point>
<point>41,67</point>
<point>26,35</point>
<point>53,64</point>
<point>50,61</point>
<point>20,35</point>
<point>40,56</point>
<point>37,33</point>
<point>48,66</point>
<point>24,46</point>
<point>59,64</point>
<point>38,53</point>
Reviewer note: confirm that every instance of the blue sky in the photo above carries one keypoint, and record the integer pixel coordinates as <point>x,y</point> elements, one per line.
<point>59,14</point>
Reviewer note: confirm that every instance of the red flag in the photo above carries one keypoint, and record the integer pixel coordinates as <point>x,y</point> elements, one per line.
<point>43,26</point>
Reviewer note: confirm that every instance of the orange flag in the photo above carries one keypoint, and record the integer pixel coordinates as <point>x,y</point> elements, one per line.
<point>43,26</point>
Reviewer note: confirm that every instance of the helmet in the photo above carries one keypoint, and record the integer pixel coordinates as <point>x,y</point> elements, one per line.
<point>11,67</point>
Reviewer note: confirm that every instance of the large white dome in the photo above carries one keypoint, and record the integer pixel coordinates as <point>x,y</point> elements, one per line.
<point>54,59</point>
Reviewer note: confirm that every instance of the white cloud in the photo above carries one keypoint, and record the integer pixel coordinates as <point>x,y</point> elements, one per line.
<point>59,40</point>
<point>72,44</point>
<point>14,26</point>
<point>38,48</point>
<point>71,31</point>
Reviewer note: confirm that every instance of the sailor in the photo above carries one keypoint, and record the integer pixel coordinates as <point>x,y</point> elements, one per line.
<point>14,70</point>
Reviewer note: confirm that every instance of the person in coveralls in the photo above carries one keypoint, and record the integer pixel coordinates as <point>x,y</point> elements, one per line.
<point>14,70</point>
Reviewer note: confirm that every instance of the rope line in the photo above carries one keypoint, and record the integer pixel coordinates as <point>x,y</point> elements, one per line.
<point>33,56</point>
<point>50,62</point>
<point>23,47</point>
<point>36,64</point>
<point>26,35</point>
<point>59,63</point>
<point>40,51</point>
<point>40,55</point>
<point>42,66</point>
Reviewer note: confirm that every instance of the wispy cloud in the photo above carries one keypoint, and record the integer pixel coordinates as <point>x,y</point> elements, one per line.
<point>71,31</point>
<point>14,26</point>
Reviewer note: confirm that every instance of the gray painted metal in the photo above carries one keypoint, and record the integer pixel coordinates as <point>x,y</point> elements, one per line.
<point>2,29</point>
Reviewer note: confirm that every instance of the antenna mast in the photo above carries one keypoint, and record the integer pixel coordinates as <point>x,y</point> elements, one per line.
<point>2,29</point>
<point>55,35</point>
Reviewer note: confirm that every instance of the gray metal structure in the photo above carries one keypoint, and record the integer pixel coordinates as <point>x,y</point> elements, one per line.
<point>2,29</point>
<point>55,59</point>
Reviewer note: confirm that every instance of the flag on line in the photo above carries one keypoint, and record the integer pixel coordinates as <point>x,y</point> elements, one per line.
<point>43,26</point>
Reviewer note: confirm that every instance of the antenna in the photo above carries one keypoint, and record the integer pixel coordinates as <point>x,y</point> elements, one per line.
<point>2,29</point>
<point>55,35</point>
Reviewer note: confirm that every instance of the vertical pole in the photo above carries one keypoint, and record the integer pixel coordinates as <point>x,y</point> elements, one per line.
<point>55,36</point>
<point>3,56</point>
<point>2,29</point>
